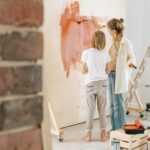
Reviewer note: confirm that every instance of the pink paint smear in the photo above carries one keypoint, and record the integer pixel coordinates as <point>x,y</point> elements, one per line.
<point>76,34</point>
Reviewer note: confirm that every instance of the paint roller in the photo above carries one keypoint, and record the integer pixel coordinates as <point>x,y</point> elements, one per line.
<point>135,126</point>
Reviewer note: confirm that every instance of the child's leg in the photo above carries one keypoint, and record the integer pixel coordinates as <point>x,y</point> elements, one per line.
<point>101,106</point>
<point>91,104</point>
<point>103,135</point>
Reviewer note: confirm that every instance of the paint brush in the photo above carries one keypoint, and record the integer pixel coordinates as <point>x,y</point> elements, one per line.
<point>83,20</point>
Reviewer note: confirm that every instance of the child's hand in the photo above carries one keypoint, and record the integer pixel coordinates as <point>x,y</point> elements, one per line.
<point>84,68</point>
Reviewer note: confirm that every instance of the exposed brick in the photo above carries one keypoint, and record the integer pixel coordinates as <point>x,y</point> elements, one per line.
<point>22,112</point>
<point>6,80</point>
<point>20,80</point>
<point>21,12</point>
<point>27,140</point>
<point>27,80</point>
<point>16,46</point>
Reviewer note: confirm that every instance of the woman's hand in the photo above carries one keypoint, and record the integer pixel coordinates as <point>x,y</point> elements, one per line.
<point>132,66</point>
<point>95,23</point>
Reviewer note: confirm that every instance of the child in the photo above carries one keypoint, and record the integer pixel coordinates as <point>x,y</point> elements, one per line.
<point>94,65</point>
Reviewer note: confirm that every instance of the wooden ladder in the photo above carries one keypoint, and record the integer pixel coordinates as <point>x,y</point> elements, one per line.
<point>134,84</point>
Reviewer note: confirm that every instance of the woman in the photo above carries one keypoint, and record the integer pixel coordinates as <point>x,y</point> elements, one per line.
<point>122,59</point>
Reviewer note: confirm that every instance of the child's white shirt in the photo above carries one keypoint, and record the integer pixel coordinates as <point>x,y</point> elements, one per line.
<point>96,61</point>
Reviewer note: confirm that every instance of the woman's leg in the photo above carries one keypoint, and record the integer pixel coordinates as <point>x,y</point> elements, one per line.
<point>111,89</point>
<point>119,111</point>
<point>116,105</point>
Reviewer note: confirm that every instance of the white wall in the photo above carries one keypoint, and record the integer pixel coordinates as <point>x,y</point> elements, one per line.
<point>108,8</point>
<point>65,95</point>
<point>138,31</point>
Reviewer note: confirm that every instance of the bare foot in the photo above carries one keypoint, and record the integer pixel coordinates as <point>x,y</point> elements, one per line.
<point>88,137</point>
<point>104,136</point>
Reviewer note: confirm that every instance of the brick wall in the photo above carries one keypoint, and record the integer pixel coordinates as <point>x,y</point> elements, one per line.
<point>21,54</point>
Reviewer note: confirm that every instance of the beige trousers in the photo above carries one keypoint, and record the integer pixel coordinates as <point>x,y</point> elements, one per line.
<point>96,92</point>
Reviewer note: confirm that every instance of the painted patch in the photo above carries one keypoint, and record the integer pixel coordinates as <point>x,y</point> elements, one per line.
<point>76,34</point>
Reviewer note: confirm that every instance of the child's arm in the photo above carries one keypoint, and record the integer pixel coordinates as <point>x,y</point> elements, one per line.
<point>107,68</point>
<point>84,68</point>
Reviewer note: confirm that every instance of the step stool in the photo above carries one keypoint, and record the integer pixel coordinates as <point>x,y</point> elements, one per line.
<point>130,141</point>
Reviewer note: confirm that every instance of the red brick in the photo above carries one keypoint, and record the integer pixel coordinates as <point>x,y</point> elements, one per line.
<point>27,140</point>
<point>16,46</point>
<point>6,80</point>
<point>21,12</point>
<point>20,80</point>
<point>21,113</point>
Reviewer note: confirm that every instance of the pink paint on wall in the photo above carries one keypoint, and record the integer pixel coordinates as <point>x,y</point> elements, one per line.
<point>76,34</point>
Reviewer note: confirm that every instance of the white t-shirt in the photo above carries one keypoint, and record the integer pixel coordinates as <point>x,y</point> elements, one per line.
<point>96,61</point>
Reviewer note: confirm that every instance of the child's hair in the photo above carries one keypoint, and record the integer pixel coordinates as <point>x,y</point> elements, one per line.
<point>116,24</point>
<point>99,40</point>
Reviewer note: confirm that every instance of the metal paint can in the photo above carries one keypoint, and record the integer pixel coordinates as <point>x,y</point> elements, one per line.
<point>115,144</point>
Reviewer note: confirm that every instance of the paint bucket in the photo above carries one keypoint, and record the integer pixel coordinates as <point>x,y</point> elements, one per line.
<point>115,144</point>
<point>148,142</point>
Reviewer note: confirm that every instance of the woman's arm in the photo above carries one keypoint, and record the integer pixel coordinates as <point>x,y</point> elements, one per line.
<point>84,68</point>
<point>131,60</point>
<point>96,25</point>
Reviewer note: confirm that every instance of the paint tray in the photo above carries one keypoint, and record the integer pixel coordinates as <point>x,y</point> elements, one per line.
<point>136,128</point>
<point>135,131</point>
